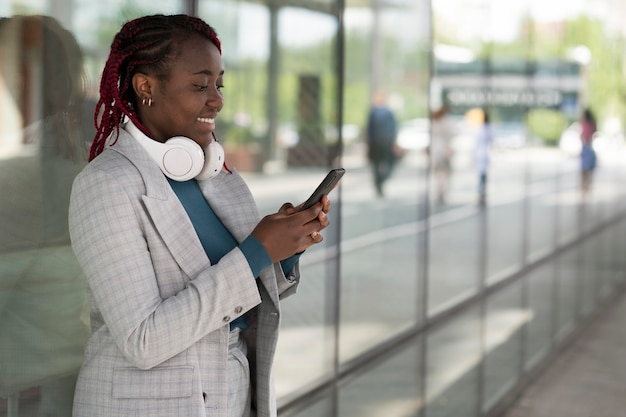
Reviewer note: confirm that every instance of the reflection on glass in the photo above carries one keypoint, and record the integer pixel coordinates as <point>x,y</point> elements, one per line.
<point>505,239</point>
<point>43,310</point>
<point>281,122</point>
<point>504,321</point>
<point>378,293</point>
<point>453,268</point>
<point>568,202</point>
<point>604,269</point>
<point>321,408</point>
<point>389,389</point>
<point>620,260</point>
<point>541,309</point>
<point>590,275</point>
<point>617,260</point>
<point>568,271</point>
<point>453,357</point>
<point>381,196</point>
<point>278,128</point>
<point>305,337</point>
<point>542,218</point>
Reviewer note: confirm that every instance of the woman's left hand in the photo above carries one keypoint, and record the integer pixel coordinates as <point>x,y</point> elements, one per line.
<point>322,217</point>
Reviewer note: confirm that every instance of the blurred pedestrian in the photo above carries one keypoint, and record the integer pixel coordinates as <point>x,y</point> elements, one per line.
<point>185,279</point>
<point>588,160</point>
<point>381,140</point>
<point>484,139</point>
<point>440,150</point>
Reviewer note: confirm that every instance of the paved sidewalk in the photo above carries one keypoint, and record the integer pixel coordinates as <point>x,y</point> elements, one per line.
<point>588,379</point>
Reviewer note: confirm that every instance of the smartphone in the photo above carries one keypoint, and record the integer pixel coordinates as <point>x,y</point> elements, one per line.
<point>325,187</point>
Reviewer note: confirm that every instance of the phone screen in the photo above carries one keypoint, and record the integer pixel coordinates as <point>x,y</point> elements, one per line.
<point>325,187</point>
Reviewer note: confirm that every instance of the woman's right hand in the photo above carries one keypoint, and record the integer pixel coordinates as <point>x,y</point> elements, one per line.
<point>288,232</point>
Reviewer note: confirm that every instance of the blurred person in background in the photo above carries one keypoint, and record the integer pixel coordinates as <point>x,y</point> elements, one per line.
<point>588,128</point>
<point>484,139</point>
<point>440,150</point>
<point>381,134</point>
<point>185,278</point>
<point>43,305</point>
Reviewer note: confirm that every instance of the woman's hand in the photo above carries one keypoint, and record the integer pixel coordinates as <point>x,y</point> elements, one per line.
<point>292,231</point>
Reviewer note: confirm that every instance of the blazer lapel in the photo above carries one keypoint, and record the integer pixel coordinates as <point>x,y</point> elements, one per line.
<point>176,230</point>
<point>164,208</point>
<point>232,202</point>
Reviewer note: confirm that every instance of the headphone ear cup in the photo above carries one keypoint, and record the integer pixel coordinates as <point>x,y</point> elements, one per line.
<point>182,159</point>
<point>213,161</point>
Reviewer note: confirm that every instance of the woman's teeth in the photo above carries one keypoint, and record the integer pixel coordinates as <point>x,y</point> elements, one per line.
<point>206,120</point>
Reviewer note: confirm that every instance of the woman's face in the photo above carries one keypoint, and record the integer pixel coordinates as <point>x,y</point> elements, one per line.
<point>188,103</point>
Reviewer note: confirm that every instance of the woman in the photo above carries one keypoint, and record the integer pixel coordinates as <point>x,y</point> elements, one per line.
<point>442,133</point>
<point>184,277</point>
<point>484,139</point>
<point>587,155</point>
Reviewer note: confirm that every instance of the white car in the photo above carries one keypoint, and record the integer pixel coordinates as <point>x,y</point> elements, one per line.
<point>414,134</point>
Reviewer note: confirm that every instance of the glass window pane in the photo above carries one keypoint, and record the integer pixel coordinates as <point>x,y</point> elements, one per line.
<point>590,275</point>
<point>321,408</point>
<point>567,288</point>
<point>48,83</point>
<point>617,259</point>
<point>541,310</point>
<point>604,272</point>
<point>43,301</point>
<point>542,208</point>
<point>568,200</point>
<point>505,319</point>
<point>304,337</point>
<point>453,358</point>
<point>453,266</point>
<point>278,126</point>
<point>386,69</point>
<point>506,238</point>
<point>376,305</point>
<point>392,388</point>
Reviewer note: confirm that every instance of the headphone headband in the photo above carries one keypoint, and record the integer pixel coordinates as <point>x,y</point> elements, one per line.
<point>180,158</point>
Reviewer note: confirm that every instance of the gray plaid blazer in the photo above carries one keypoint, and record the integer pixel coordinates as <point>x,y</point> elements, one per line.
<point>160,311</point>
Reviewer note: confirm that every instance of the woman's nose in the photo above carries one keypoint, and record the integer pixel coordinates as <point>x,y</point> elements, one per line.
<point>216,100</point>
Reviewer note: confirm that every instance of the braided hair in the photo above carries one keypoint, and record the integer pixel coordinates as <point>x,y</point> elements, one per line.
<point>148,44</point>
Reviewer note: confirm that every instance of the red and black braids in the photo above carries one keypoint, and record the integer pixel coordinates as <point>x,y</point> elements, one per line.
<point>147,44</point>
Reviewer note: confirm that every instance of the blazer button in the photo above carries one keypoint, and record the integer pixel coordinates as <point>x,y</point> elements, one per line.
<point>226,319</point>
<point>239,309</point>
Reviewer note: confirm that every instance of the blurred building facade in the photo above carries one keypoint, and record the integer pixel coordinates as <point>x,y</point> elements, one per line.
<point>410,307</point>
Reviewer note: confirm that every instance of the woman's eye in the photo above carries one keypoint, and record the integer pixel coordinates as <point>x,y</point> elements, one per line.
<point>202,87</point>
<point>219,87</point>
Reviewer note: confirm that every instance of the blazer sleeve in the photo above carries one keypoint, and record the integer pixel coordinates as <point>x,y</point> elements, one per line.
<point>108,234</point>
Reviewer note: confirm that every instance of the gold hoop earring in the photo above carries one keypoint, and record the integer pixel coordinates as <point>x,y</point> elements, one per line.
<point>146,101</point>
<point>150,102</point>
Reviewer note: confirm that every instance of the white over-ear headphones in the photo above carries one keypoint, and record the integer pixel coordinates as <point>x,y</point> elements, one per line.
<point>181,158</point>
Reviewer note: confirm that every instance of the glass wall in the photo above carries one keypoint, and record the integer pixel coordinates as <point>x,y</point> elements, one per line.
<point>438,287</point>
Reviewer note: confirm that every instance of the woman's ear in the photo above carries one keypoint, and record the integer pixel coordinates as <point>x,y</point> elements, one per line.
<point>143,85</point>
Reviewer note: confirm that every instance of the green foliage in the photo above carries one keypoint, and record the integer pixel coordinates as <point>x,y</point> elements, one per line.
<point>546,124</point>
<point>108,27</point>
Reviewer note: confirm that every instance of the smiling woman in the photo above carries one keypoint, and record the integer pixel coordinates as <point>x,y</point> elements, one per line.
<point>184,276</point>
<point>146,78</point>
<point>188,100</point>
